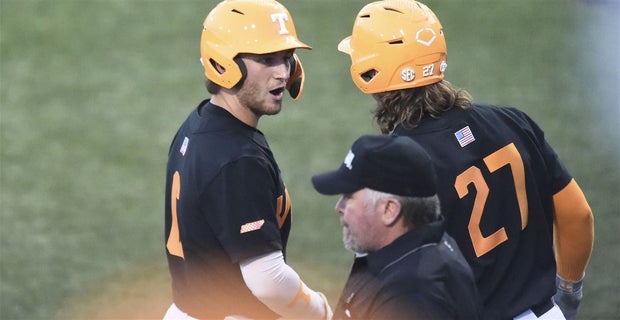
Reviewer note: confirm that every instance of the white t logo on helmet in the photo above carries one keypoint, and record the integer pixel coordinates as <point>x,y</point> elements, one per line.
<point>281,18</point>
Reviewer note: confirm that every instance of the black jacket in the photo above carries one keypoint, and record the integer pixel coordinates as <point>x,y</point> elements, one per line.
<point>421,275</point>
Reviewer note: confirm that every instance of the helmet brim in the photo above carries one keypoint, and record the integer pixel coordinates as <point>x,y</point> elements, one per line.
<point>300,45</point>
<point>345,45</point>
<point>278,45</point>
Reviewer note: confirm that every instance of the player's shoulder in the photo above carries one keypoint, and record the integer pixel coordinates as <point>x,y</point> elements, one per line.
<point>225,146</point>
<point>498,109</point>
<point>502,113</point>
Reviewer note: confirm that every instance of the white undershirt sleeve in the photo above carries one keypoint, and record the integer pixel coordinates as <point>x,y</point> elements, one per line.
<point>279,287</point>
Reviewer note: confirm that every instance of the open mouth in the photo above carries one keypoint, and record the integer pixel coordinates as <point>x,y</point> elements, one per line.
<point>277,92</point>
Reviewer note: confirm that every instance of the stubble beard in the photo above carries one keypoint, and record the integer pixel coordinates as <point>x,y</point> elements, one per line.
<point>350,242</point>
<point>262,111</point>
<point>248,97</point>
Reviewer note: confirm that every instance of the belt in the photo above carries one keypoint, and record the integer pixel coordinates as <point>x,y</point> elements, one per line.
<point>542,308</point>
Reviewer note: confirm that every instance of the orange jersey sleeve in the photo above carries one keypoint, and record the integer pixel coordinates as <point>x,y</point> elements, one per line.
<point>573,231</point>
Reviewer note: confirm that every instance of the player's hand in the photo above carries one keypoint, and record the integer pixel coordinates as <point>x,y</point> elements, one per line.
<point>568,296</point>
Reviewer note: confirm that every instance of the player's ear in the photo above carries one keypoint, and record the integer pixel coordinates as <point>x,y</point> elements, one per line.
<point>295,83</point>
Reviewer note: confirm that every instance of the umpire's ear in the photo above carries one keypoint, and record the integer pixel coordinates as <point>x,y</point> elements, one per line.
<point>295,83</point>
<point>390,211</point>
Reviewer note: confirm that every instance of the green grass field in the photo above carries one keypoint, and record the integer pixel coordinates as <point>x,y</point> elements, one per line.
<point>92,92</point>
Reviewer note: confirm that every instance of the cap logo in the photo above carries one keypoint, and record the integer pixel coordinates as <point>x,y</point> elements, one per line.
<point>281,18</point>
<point>348,160</point>
<point>425,36</point>
<point>443,66</point>
<point>407,74</point>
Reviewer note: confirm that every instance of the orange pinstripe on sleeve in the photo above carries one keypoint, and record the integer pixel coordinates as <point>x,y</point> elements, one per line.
<point>573,231</point>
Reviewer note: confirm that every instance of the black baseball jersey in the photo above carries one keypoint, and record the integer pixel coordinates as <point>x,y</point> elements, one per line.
<point>421,275</point>
<point>497,175</point>
<point>225,202</point>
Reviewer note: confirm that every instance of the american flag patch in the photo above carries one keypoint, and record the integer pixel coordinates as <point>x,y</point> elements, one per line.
<point>464,136</point>
<point>184,146</point>
<point>252,226</point>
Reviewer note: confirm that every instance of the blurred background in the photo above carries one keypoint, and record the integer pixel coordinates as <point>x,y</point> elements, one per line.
<point>92,92</point>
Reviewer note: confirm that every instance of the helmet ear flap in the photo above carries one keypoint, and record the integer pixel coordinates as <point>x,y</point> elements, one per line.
<point>213,59</point>
<point>292,63</point>
<point>295,83</point>
<point>242,69</point>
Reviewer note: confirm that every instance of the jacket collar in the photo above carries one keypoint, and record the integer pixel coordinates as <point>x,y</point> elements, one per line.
<point>409,243</point>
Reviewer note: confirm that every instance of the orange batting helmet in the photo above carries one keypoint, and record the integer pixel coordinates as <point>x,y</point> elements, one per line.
<point>246,26</point>
<point>395,44</point>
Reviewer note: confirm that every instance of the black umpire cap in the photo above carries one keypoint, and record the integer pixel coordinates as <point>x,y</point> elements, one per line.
<point>390,164</point>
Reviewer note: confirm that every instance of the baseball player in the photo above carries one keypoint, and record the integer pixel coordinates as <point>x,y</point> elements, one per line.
<point>227,211</point>
<point>519,217</point>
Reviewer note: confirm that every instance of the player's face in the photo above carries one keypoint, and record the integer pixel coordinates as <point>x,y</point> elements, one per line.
<point>263,89</point>
<point>360,220</point>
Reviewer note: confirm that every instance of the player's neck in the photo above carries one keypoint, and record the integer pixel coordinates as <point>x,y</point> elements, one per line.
<point>231,104</point>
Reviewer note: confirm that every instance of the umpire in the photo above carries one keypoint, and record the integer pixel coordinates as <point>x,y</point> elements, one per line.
<point>406,266</point>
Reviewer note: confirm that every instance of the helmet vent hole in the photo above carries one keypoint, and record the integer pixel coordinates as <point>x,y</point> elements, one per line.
<point>237,11</point>
<point>366,16</point>
<point>218,67</point>
<point>369,75</point>
<point>392,9</point>
<point>396,42</point>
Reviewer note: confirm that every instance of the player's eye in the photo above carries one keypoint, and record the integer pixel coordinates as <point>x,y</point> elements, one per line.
<point>268,61</point>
